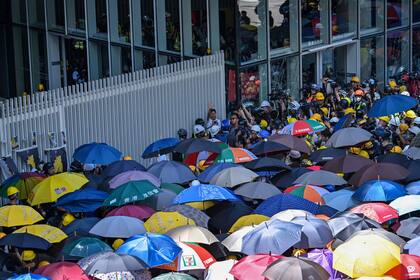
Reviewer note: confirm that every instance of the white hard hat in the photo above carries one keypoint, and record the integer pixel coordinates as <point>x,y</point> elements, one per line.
<point>198,129</point>
<point>214,130</point>
<point>256,128</point>
<point>334,120</point>
<point>406,93</point>
<point>416,120</point>
<point>395,121</point>
<point>265,103</point>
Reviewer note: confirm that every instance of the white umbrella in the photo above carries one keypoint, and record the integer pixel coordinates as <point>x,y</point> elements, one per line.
<point>234,241</point>
<point>220,270</point>
<point>290,214</point>
<point>191,233</point>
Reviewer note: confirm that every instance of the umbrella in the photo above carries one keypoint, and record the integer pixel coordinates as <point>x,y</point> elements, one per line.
<point>292,142</point>
<point>327,154</point>
<point>63,270</point>
<point>131,192</point>
<point>366,255</point>
<point>346,164</point>
<point>295,269</point>
<point>395,158</point>
<point>96,153</point>
<point>200,218</point>
<point>315,232</point>
<point>28,276</point>
<point>374,232</point>
<point>316,126</point>
<point>391,104</point>
<point>212,170</point>
<point>413,167</point>
<point>289,214</point>
<point>309,192</point>
<point>84,200</point>
<point>169,171</point>
<point>161,200</point>
<point>409,228</point>
<point>235,155</point>
<point>174,276</point>
<point>160,147</point>
<point>202,192</point>
<point>252,267</point>
<point>379,212</point>
<point>25,241</point>
<point>377,171</point>
<point>342,227</point>
<point>406,204</point>
<point>257,190</point>
<point>267,164</point>
<point>136,211</point>
<point>340,200</point>
<point>324,257</point>
<point>268,147</point>
<point>18,215</point>
<point>320,178</point>
<point>347,137</point>
<point>153,249</point>
<point>413,188</point>
<point>220,270</point>
<point>193,234</point>
<point>112,262</point>
<point>379,190</point>
<point>82,247</point>
<point>233,176</point>
<point>413,153</point>
<point>408,269</point>
<point>80,226</point>
<point>172,187</point>
<point>135,175</point>
<point>127,226</point>
<point>299,128</point>
<point>248,220</point>
<point>24,182</point>
<point>271,237</point>
<point>413,246</point>
<point>55,186</point>
<point>225,214</point>
<point>234,241</point>
<point>161,222</point>
<point>195,145</point>
<point>121,166</point>
<point>47,232</point>
<point>286,179</point>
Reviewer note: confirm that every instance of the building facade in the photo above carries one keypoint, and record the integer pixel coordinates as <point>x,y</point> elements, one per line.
<point>269,45</point>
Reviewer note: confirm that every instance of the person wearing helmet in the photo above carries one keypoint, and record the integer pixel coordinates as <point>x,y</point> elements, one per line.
<point>117,243</point>
<point>383,121</point>
<point>355,82</point>
<point>28,261</point>
<point>67,219</point>
<point>396,149</point>
<point>254,137</point>
<point>409,117</point>
<point>13,195</point>
<point>319,96</point>
<point>199,131</point>
<point>316,117</point>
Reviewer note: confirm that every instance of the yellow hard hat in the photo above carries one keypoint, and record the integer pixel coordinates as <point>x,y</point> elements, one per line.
<point>2,234</point>
<point>403,127</point>
<point>355,79</point>
<point>392,83</point>
<point>410,114</point>
<point>316,117</point>
<point>324,110</point>
<point>28,255</point>
<point>41,87</point>
<point>291,120</point>
<point>117,243</point>
<point>298,252</point>
<point>349,111</point>
<point>354,150</point>
<point>67,219</point>
<point>385,119</point>
<point>43,263</point>
<point>368,145</point>
<point>127,157</point>
<point>364,154</point>
<point>319,96</point>
<point>12,190</point>
<point>202,165</point>
<point>263,124</point>
<point>396,149</point>
<point>403,88</point>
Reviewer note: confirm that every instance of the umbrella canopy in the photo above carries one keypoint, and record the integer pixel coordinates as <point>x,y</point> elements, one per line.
<point>268,147</point>
<point>267,164</point>
<point>342,227</point>
<point>295,269</point>
<point>408,269</point>
<point>406,204</point>
<point>299,128</point>
<point>195,145</point>
<point>225,214</point>
<point>174,276</point>
<point>201,192</point>
<point>121,166</point>
<point>377,171</point>
<point>136,211</point>
<point>18,215</point>
<point>127,226</point>
<point>286,179</point>
<point>63,270</point>
<point>47,232</point>
<point>84,200</point>
<point>409,228</point>
<point>257,190</point>
<point>366,255</point>
<point>234,241</point>
<point>235,155</point>
<point>161,222</point>
<point>131,192</point>
<point>347,137</point>
<point>28,276</point>
<point>96,153</point>
<point>347,164</point>
<point>25,241</point>
<point>199,217</point>
<point>190,233</point>
<point>327,154</point>
<point>324,257</point>
<point>248,220</point>
<point>315,232</point>
<point>379,190</point>
<point>82,247</point>
<point>24,182</point>
<point>309,192</point>
<point>55,186</point>
<point>160,147</point>
<point>80,226</point>
<point>413,153</point>
<point>212,170</point>
<point>252,267</point>
<point>413,246</point>
<point>316,126</point>
<point>374,232</point>
<point>220,270</point>
<point>135,175</point>
<point>233,176</point>
<point>273,236</point>
<point>413,188</point>
<point>379,212</point>
<point>340,200</point>
<point>169,171</point>
<point>161,200</point>
<point>292,142</point>
<point>153,249</point>
<point>391,104</point>
<point>289,214</point>
<point>320,178</point>
<point>395,158</point>
<point>172,187</point>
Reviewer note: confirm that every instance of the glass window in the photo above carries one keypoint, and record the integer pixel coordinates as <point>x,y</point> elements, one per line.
<point>55,15</point>
<point>314,22</point>
<point>416,11</point>
<point>253,84</point>
<point>285,77</point>
<point>76,57</point>
<point>21,59</point>
<point>18,11</point>
<point>283,30</point>
<point>168,59</point>
<point>39,64</point>
<point>372,58</point>
<point>121,60</point>
<point>309,69</point>
<point>416,49</point>
<point>253,29</point>
<point>227,28</point>
<point>397,52</point>
<point>98,60</point>
<point>144,59</point>
<point>144,31</point>
<point>194,27</point>
<point>168,18</point>
<point>397,13</point>
<point>371,16</point>
<point>37,15</point>
<point>76,15</point>
<point>101,18</point>
<point>124,20</point>
<point>343,18</point>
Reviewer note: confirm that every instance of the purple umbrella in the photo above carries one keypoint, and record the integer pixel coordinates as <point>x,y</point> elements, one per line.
<point>135,175</point>
<point>324,257</point>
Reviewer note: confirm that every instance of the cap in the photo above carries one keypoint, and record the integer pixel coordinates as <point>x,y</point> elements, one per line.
<point>12,190</point>
<point>291,120</point>
<point>214,130</point>
<point>392,83</point>
<point>264,134</point>
<point>324,111</point>
<point>414,129</point>
<point>67,219</point>
<point>117,243</point>
<point>256,128</point>
<point>355,79</point>
<point>295,154</point>
<point>198,129</point>
<point>364,154</point>
<point>28,255</point>
<point>265,103</point>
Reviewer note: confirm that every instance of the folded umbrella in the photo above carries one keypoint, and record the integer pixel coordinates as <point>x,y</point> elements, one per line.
<point>96,153</point>
<point>84,200</point>
<point>130,192</point>
<point>377,171</point>
<point>162,222</point>
<point>252,267</point>
<point>80,227</point>
<point>199,217</point>
<point>289,214</point>
<point>391,104</point>
<point>225,214</point>
<point>63,270</point>
<point>121,166</point>
<point>160,147</point>
<point>413,246</point>
<point>347,137</point>
<point>133,175</point>
<point>406,204</point>
<point>192,234</point>
<point>309,192</point>
<point>342,227</point>
<point>320,178</point>
<point>379,212</point>
<point>47,232</point>
<point>200,192</point>
<point>212,170</point>
<point>18,215</point>
<point>292,142</point>
<point>315,232</point>
<point>82,247</point>
<point>408,269</point>
<point>127,226</point>
<point>169,171</point>
<point>24,182</point>
<point>340,200</point>
<point>136,211</point>
<point>257,190</point>
<point>234,176</point>
<point>379,190</point>
<point>269,147</point>
<point>25,241</point>
<point>286,179</point>
<point>327,154</point>
<point>194,145</point>
<point>248,220</point>
<point>267,164</point>
<point>235,155</point>
<point>295,269</point>
<point>347,164</point>
<point>409,228</point>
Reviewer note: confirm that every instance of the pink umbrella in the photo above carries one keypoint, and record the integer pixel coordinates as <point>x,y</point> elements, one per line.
<point>63,270</point>
<point>253,266</point>
<point>136,211</point>
<point>135,175</point>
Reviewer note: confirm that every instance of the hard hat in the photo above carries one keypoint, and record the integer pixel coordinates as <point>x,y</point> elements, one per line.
<point>41,87</point>
<point>291,120</point>
<point>349,111</point>
<point>324,111</point>
<point>355,79</point>
<point>403,127</point>
<point>406,93</point>
<point>256,128</point>
<point>202,165</point>
<point>354,150</point>
<point>2,234</point>
<point>410,114</point>
<point>265,103</point>
<point>198,129</point>
<point>359,92</point>
<point>43,263</point>
<point>392,83</point>
<point>214,130</point>
<point>396,149</point>
<point>127,158</point>
<point>395,121</point>
<point>368,145</point>
<point>319,96</point>
<point>117,243</point>
<point>416,120</point>
<point>316,117</point>
<point>67,219</point>
<point>384,119</point>
<point>263,124</point>
<point>12,190</point>
<point>414,129</point>
<point>403,88</point>
<point>28,255</point>
<point>364,154</point>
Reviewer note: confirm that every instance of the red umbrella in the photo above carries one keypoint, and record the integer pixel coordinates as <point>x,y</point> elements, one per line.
<point>377,211</point>
<point>63,270</point>
<point>408,269</point>
<point>299,128</point>
<point>252,267</point>
<point>136,211</point>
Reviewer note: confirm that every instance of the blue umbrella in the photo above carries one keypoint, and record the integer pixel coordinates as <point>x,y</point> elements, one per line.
<point>343,122</point>
<point>315,232</point>
<point>413,246</point>
<point>169,171</point>
<point>160,147</point>
<point>153,249</point>
<point>96,153</point>
<point>392,104</point>
<point>84,200</point>
<point>379,190</point>
<point>413,188</point>
<point>29,276</point>
<point>340,200</point>
<point>201,192</point>
<point>281,202</point>
<point>120,166</point>
<point>212,170</point>
<point>80,227</point>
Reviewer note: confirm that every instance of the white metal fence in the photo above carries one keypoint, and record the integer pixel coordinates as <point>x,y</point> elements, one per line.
<point>128,111</point>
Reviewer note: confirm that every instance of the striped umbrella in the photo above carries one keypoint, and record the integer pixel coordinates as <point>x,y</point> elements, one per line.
<point>316,126</point>
<point>308,192</point>
<point>235,155</point>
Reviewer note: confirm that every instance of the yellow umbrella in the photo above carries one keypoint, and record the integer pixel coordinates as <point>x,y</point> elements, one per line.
<point>366,255</point>
<point>49,233</point>
<point>376,278</point>
<point>202,205</point>
<point>18,215</point>
<point>161,222</point>
<point>248,220</point>
<point>52,188</point>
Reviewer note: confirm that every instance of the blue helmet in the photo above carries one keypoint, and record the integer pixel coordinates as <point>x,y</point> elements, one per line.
<point>225,125</point>
<point>264,134</point>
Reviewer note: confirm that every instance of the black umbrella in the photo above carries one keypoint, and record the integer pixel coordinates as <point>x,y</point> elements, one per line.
<point>293,142</point>
<point>194,145</point>
<point>346,164</point>
<point>377,171</point>
<point>25,241</point>
<point>269,147</point>
<point>285,179</point>
<point>413,170</point>
<point>267,164</point>
<point>395,158</point>
<point>169,171</point>
<point>295,269</point>
<point>80,227</point>
<point>224,214</point>
<point>121,166</point>
<point>344,226</point>
<point>108,262</point>
<point>217,250</point>
<point>324,155</point>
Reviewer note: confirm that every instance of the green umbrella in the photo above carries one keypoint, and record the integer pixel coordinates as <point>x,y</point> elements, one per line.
<point>130,192</point>
<point>316,126</point>
<point>172,187</point>
<point>174,276</point>
<point>85,246</point>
